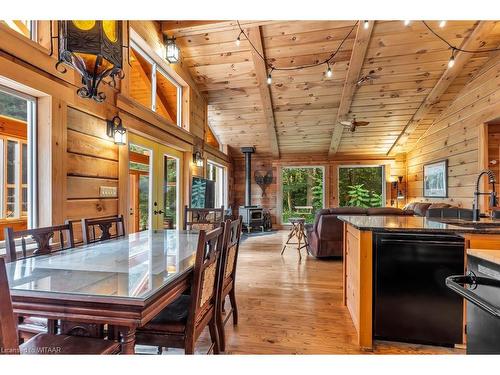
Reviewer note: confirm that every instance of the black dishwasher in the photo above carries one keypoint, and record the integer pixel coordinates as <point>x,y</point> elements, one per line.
<point>411,300</point>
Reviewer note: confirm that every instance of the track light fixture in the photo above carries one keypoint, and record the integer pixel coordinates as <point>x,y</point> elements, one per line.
<point>442,24</point>
<point>238,39</point>
<point>366,24</point>
<point>407,22</point>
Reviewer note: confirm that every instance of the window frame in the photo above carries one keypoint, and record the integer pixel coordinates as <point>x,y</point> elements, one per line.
<point>280,200</point>
<point>224,183</point>
<point>31,142</point>
<point>384,187</point>
<point>155,68</point>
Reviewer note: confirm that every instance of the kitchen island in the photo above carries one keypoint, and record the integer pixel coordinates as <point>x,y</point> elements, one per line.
<point>361,234</point>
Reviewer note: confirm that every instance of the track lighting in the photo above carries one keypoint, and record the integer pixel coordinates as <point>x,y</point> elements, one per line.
<point>329,72</point>
<point>407,22</point>
<point>451,61</point>
<point>442,24</point>
<point>366,24</point>
<point>238,40</point>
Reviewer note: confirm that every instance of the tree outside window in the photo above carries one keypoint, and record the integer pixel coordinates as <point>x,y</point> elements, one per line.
<point>361,186</point>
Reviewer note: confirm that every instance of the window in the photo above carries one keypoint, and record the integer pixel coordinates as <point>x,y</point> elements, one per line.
<point>24,27</point>
<point>217,173</point>
<point>303,192</point>
<point>17,158</point>
<point>151,86</point>
<point>361,186</point>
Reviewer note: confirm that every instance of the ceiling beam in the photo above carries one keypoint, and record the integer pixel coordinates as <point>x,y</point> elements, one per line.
<point>350,85</point>
<point>255,38</point>
<point>188,28</point>
<point>473,42</point>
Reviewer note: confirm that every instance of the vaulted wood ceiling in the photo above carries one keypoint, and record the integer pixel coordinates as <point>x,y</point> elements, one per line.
<point>299,112</point>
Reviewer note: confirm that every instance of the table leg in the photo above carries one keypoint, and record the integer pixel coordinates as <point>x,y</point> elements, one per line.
<point>128,340</point>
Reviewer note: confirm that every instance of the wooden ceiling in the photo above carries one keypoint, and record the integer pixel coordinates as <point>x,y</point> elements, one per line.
<point>299,113</point>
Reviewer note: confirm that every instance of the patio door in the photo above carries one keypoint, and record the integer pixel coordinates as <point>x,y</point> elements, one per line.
<point>155,194</point>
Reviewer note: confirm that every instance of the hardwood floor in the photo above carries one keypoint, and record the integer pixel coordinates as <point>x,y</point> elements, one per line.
<point>292,307</point>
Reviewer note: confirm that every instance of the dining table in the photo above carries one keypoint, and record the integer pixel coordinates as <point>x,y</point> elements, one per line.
<point>122,283</point>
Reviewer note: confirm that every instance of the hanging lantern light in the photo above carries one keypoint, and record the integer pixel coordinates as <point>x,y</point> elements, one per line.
<point>198,158</point>
<point>172,53</point>
<point>116,131</point>
<point>93,49</point>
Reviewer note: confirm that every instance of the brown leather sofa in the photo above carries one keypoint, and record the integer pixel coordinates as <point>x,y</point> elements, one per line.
<point>325,236</point>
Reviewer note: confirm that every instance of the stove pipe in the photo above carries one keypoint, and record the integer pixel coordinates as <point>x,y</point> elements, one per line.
<point>248,151</point>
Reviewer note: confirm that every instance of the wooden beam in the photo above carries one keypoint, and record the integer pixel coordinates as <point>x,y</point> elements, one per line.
<point>188,28</point>
<point>473,42</point>
<point>255,38</point>
<point>350,85</point>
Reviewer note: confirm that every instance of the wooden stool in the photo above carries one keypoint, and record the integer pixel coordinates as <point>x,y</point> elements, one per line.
<point>298,231</point>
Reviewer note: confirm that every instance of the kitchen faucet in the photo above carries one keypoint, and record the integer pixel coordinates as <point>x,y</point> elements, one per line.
<point>493,195</point>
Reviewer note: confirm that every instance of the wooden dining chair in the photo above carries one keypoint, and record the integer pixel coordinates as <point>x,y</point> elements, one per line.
<point>102,228</point>
<point>42,343</point>
<point>227,279</point>
<point>180,324</point>
<point>203,218</point>
<point>38,241</point>
<point>32,243</point>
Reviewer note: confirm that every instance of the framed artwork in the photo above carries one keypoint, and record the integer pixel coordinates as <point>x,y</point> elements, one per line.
<point>436,179</point>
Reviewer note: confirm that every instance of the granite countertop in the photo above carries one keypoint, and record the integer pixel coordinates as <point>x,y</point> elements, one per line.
<point>489,255</point>
<point>419,224</point>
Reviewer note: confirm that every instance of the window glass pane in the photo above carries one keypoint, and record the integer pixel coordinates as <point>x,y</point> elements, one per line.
<point>216,173</point>
<point>166,98</point>
<point>140,79</point>
<point>361,186</point>
<point>25,164</point>
<point>24,205</point>
<point>12,106</point>
<point>11,161</point>
<point>21,26</point>
<point>302,192</point>
<point>11,203</point>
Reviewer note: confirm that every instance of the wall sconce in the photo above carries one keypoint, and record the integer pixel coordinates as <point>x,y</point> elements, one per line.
<point>115,130</point>
<point>172,53</point>
<point>400,192</point>
<point>94,50</point>
<point>198,158</point>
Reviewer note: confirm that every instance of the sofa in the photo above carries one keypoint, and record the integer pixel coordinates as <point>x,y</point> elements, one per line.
<point>325,235</point>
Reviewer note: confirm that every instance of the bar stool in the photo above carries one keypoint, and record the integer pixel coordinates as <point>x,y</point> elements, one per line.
<point>299,232</point>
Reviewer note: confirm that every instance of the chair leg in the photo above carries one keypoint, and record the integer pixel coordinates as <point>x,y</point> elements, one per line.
<point>220,331</point>
<point>189,346</point>
<point>213,335</point>
<point>232,299</point>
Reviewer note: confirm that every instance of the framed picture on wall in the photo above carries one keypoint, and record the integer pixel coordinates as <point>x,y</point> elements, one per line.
<point>436,179</point>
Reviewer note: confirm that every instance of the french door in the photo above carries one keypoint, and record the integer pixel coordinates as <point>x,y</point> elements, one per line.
<point>155,194</point>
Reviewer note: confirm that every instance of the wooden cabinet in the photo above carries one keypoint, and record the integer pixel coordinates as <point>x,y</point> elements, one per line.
<point>358,281</point>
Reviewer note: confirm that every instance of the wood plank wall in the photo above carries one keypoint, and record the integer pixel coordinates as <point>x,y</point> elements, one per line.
<point>494,151</point>
<point>91,162</point>
<point>393,167</point>
<point>455,136</point>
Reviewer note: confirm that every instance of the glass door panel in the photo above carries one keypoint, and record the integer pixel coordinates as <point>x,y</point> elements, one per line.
<point>140,167</point>
<point>170,190</point>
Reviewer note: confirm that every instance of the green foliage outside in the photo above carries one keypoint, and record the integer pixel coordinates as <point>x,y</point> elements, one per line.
<point>13,106</point>
<point>302,187</point>
<point>360,186</point>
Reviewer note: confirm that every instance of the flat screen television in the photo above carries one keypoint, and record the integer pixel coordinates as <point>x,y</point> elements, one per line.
<point>202,193</point>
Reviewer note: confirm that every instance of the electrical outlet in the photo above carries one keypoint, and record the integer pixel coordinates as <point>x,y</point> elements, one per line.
<point>108,191</point>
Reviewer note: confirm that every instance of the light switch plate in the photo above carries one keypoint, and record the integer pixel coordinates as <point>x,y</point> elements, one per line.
<point>108,191</point>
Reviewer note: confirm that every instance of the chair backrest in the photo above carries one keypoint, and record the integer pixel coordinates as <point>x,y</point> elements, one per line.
<point>232,234</point>
<point>206,275</point>
<point>8,332</point>
<point>38,241</point>
<point>102,228</point>
<point>203,218</point>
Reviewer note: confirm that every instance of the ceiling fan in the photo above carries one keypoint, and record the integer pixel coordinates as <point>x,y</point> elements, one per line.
<point>353,124</point>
